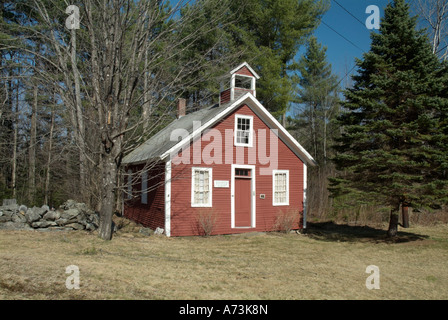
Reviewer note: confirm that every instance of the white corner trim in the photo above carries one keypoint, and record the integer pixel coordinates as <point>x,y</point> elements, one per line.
<point>168,198</point>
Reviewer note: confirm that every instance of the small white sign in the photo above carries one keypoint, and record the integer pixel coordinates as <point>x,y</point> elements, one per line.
<point>221,183</point>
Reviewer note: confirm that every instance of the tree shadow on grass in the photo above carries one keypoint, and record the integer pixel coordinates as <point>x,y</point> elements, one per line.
<point>330,231</point>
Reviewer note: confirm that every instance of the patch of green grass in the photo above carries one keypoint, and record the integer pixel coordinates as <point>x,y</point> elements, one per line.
<point>89,251</point>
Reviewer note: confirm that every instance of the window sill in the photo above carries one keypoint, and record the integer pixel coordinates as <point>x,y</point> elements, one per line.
<point>201,205</point>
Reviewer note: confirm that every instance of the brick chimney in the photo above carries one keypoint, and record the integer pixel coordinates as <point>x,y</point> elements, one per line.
<point>181,107</point>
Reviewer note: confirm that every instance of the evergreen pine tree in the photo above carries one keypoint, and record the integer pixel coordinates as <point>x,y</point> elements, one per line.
<point>318,101</point>
<point>272,32</point>
<point>313,125</point>
<point>393,146</point>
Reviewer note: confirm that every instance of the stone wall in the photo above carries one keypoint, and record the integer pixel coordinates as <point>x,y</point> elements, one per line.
<point>71,215</point>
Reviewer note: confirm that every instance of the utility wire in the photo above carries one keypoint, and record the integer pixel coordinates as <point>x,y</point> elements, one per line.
<point>440,50</point>
<point>346,39</point>
<point>362,23</point>
<point>346,75</point>
<point>349,41</point>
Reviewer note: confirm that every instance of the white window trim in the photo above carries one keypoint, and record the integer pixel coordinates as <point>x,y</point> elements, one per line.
<point>274,172</point>
<point>251,129</point>
<point>202,205</point>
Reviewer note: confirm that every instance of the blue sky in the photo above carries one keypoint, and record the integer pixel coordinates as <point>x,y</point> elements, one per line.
<point>341,52</point>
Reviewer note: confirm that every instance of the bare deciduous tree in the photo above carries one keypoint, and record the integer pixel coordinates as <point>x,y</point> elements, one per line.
<point>434,15</point>
<point>127,54</point>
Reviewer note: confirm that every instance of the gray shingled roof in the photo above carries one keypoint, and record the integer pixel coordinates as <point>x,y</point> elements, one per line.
<point>160,142</point>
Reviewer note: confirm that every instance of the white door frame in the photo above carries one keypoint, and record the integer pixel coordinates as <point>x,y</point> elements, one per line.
<point>253,193</point>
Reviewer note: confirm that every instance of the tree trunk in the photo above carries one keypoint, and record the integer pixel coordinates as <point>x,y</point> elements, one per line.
<point>109,178</point>
<point>78,123</point>
<point>393,222</point>
<point>14,151</point>
<point>146,107</point>
<point>405,215</point>
<point>32,151</point>
<point>50,147</point>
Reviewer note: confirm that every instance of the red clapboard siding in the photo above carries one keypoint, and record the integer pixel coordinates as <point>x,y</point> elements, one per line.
<point>152,214</point>
<point>225,96</point>
<point>244,71</point>
<point>184,218</point>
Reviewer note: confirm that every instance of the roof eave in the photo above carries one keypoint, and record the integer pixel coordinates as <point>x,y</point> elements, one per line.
<point>245,64</point>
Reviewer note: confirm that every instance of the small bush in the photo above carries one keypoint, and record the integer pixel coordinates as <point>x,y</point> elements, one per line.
<point>426,217</point>
<point>206,221</point>
<point>287,220</point>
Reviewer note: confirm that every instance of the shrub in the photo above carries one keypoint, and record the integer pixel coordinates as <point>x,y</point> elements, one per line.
<point>287,220</point>
<point>206,221</point>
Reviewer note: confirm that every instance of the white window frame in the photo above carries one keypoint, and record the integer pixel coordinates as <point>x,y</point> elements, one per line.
<point>210,173</point>
<point>274,172</point>
<point>144,187</point>
<point>251,134</point>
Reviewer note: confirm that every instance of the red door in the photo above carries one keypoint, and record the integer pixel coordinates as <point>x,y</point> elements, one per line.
<point>243,216</point>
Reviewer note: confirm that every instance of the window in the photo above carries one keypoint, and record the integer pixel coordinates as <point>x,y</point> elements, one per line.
<point>129,191</point>
<point>280,187</point>
<point>243,82</point>
<point>201,187</point>
<point>242,173</point>
<point>145,187</point>
<point>243,130</point>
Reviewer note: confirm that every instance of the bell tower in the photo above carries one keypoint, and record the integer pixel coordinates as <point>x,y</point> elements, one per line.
<point>242,80</point>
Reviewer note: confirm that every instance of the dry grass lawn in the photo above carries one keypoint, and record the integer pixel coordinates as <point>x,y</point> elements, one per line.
<point>327,263</point>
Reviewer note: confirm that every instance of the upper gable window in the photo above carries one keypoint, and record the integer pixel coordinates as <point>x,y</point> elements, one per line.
<point>243,130</point>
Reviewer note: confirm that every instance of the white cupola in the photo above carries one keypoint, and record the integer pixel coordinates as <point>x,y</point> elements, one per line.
<point>242,80</point>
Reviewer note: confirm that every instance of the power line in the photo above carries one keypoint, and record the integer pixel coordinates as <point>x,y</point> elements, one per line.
<point>362,23</point>
<point>345,38</point>
<point>438,51</point>
<point>346,75</point>
<point>349,41</point>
